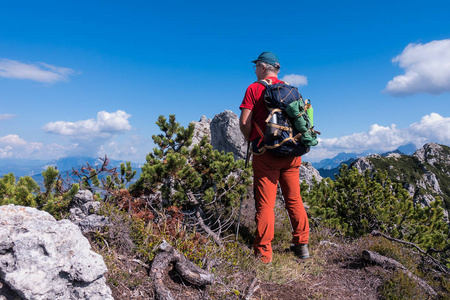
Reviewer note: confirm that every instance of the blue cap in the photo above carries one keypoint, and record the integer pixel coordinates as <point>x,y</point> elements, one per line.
<point>268,57</point>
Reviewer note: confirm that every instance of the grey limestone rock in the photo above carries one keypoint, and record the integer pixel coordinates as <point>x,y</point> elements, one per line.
<point>307,172</point>
<point>201,129</point>
<point>362,164</point>
<point>431,181</point>
<point>223,133</point>
<point>394,155</point>
<point>430,153</point>
<point>226,135</point>
<point>41,258</point>
<point>83,212</point>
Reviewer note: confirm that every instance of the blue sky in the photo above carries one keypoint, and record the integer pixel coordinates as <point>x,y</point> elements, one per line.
<point>91,77</point>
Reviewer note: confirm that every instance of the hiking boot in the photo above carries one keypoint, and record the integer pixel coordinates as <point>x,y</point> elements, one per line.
<point>301,250</point>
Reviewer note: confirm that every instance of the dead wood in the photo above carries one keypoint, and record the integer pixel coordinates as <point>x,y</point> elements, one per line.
<point>392,264</point>
<point>200,221</point>
<point>187,270</point>
<point>254,286</point>
<point>436,262</point>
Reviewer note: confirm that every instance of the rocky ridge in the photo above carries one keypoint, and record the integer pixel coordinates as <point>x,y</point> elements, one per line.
<point>425,174</point>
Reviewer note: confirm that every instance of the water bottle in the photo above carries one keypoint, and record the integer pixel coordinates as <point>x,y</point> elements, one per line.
<point>309,111</point>
<point>273,131</point>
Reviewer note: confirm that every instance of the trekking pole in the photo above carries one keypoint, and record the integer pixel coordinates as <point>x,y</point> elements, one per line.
<point>242,197</point>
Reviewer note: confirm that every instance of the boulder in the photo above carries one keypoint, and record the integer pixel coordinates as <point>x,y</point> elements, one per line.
<point>223,133</point>
<point>41,258</point>
<point>83,212</point>
<point>226,134</point>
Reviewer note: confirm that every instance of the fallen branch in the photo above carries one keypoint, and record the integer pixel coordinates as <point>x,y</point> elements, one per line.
<point>188,271</point>
<point>252,289</point>
<point>441,267</point>
<point>392,264</point>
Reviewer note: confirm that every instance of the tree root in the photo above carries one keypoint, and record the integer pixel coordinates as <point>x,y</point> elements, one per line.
<point>188,271</point>
<point>391,264</point>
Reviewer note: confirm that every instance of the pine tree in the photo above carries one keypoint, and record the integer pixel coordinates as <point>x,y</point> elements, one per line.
<point>22,192</point>
<point>214,178</point>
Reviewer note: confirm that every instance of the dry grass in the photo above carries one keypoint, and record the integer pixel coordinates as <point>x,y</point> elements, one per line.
<point>335,270</point>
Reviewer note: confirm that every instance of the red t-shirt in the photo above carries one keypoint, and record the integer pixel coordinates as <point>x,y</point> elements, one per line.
<point>254,100</point>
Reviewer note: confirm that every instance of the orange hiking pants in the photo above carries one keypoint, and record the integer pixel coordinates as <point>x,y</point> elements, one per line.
<point>267,171</point>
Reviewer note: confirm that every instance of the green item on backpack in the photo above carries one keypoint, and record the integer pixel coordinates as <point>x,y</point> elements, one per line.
<point>289,130</point>
<point>302,123</point>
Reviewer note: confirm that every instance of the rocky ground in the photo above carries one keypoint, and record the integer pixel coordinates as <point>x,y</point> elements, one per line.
<point>335,271</point>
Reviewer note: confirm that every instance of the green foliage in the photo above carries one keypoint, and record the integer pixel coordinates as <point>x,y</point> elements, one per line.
<point>22,192</point>
<point>357,204</point>
<point>55,200</point>
<point>175,170</point>
<point>405,169</point>
<point>114,182</point>
<point>409,169</point>
<point>50,178</point>
<point>400,286</point>
<point>407,257</point>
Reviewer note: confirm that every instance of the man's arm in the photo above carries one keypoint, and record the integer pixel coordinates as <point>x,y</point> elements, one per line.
<point>245,123</point>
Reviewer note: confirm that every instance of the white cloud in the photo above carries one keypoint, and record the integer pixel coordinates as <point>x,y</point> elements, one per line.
<point>13,146</point>
<point>7,116</point>
<point>41,72</point>
<point>94,136</point>
<point>105,125</point>
<point>104,135</point>
<point>297,80</point>
<point>431,128</point>
<point>427,69</point>
<point>133,148</point>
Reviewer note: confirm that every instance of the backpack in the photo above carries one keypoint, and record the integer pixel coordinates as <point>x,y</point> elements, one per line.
<point>289,129</point>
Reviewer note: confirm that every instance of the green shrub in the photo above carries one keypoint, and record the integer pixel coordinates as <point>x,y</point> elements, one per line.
<point>22,192</point>
<point>356,204</point>
<point>401,287</point>
<point>26,192</point>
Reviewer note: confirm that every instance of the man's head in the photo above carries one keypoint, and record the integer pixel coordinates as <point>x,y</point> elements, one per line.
<point>269,58</point>
<point>266,65</point>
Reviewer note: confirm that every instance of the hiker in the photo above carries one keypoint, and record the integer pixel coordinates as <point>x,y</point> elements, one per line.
<point>269,169</point>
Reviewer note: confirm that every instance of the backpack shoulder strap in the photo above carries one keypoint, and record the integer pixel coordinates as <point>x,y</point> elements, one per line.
<point>265,82</point>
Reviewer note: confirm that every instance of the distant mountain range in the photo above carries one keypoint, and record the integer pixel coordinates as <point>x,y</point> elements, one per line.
<point>330,166</point>
<point>34,168</point>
